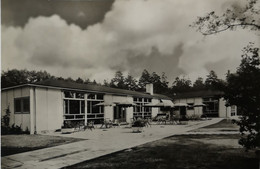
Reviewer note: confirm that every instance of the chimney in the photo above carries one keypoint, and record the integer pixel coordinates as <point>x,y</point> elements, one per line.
<point>149,88</point>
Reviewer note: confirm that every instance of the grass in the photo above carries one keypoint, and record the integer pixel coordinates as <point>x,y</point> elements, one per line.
<point>178,152</point>
<point>13,144</point>
<point>225,123</point>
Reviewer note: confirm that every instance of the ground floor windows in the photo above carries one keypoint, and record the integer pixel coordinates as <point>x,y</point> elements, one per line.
<point>212,106</point>
<point>139,110</point>
<point>74,109</point>
<point>94,112</point>
<point>76,105</point>
<point>22,105</point>
<point>233,110</point>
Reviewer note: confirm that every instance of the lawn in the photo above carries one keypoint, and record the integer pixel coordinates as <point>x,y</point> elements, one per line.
<point>225,123</point>
<point>179,152</point>
<point>13,144</point>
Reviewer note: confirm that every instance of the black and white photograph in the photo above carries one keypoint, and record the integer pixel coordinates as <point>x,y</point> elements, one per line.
<point>130,84</point>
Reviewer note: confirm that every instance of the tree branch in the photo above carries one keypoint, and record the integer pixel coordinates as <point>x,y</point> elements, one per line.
<point>210,32</point>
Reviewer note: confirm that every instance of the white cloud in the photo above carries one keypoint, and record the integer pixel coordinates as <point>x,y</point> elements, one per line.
<point>124,40</point>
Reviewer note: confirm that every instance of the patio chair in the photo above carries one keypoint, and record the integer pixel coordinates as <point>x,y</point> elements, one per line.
<point>116,123</point>
<point>79,126</point>
<point>147,122</point>
<point>90,125</point>
<point>161,120</point>
<point>107,123</point>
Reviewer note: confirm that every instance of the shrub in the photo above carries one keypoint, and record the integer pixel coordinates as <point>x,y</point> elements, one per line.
<point>139,123</point>
<point>194,117</point>
<point>5,125</point>
<point>67,124</point>
<point>6,118</point>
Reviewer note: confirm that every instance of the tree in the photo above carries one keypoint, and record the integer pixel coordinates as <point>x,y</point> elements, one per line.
<point>15,77</point>
<point>79,80</point>
<point>245,17</point>
<point>144,79</point>
<point>87,81</point>
<point>198,84</point>
<point>164,84</point>
<point>211,80</point>
<point>69,79</point>
<point>160,83</point>
<point>106,83</point>
<point>181,85</point>
<point>131,83</point>
<point>243,90</point>
<point>118,81</point>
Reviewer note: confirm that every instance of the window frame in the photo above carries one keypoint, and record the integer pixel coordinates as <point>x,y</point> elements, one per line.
<point>22,105</point>
<point>139,110</point>
<point>190,106</point>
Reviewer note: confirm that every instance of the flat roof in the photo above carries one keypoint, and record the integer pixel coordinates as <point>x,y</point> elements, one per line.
<point>66,85</point>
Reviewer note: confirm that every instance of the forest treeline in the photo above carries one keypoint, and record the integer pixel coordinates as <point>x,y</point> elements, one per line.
<point>161,83</point>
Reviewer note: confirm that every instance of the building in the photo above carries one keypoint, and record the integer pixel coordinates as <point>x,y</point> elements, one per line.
<point>205,102</point>
<point>44,106</point>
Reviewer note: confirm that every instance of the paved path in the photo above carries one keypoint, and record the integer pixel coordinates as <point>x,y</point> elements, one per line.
<point>99,142</point>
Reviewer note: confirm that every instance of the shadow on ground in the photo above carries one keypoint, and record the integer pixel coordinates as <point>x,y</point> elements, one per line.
<point>178,152</point>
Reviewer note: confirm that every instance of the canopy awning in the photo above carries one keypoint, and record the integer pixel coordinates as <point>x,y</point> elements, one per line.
<point>167,103</point>
<point>124,104</point>
<point>105,104</point>
<point>163,103</point>
<point>199,105</point>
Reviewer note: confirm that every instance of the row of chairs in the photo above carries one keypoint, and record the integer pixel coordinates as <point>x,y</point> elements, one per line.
<point>107,123</point>
<point>81,126</point>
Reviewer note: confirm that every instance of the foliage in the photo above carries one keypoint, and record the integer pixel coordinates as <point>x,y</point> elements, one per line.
<point>213,82</point>
<point>79,80</point>
<point>144,79</point>
<point>194,117</point>
<point>243,90</point>
<point>6,118</point>
<point>131,83</point>
<point>211,79</point>
<point>139,123</point>
<point>16,77</point>
<point>181,85</point>
<point>5,125</point>
<point>199,84</point>
<point>243,87</point>
<point>68,124</point>
<point>118,81</point>
<point>245,17</point>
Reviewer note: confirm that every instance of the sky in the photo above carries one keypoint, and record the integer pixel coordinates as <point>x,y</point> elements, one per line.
<point>95,38</point>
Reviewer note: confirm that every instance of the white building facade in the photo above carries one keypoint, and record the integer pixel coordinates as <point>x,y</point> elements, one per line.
<point>46,105</point>
<point>209,103</point>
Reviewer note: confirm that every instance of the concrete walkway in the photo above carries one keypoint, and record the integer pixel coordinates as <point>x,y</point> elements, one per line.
<point>99,142</point>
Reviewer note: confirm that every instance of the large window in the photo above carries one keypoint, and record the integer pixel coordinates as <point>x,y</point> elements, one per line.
<point>74,105</point>
<point>212,106</point>
<point>140,110</point>
<point>22,105</point>
<point>95,112</point>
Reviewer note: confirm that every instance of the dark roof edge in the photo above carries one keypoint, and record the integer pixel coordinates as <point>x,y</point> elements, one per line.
<point>199,94</point>
<point>91,91</point>
<point>17,86</point>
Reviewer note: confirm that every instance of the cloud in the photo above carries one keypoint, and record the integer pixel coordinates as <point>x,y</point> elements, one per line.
<point>82,13</point>
<point>133,36</point>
